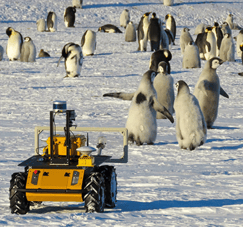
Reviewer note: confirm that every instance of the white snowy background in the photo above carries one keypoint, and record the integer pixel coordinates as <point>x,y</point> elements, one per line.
<point>160,185</point>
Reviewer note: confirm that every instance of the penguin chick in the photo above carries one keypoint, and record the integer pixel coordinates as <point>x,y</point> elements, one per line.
<point>168,2</point>
<point>200,28</point>
<point>43,54</point>
<point>72,53</point>
<point>88,42</point>
<point>14,44</point>
<point>124,18</point>
<point>141,122</point>
<point>28,50</point>
<point>130,33</point>
<point>225,28</point>
<point>185,38</point>
<point>41,25</point>
<point>157,57</point>
<point>191,58</point>
<point>109,28</point>
<point>227,48</point>
<point>208,89</point>
<point>191,129</point>
<point>163,84</point>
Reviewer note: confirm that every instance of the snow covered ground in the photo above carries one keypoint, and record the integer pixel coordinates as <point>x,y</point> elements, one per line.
<point>161,185</point>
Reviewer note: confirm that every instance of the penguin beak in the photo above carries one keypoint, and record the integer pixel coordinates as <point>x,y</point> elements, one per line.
<point>221,61</point>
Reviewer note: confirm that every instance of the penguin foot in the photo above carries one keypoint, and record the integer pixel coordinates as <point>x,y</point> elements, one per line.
<point>150,143</point>
<point>191,147</point>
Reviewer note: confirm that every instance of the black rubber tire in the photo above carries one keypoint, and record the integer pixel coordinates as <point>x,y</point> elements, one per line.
<point>109,174</point>
<point>94,197</point>
<point>18,202</point>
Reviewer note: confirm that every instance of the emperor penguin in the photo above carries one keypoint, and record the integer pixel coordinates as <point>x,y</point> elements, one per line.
<point>88,42</point>
<point>124,18</point>
<point>154,32</point>
<point>157,57</point>
<point>28,50</point>
<point>208,89</point>
<point>201,42</point>
<point>143,32</point>
<point>227,48</point>
<point>1,53</point>
<point>69,16</point>
<point>163,84</point>
<point>218,35</point>
<point>210,47</point>
<point>72,53</point>
<point>225,28</point>
<point>185,38</point>
<point>41,25</point>
<point>141,122</point>
<point>130,33</point>
<point>168,2</point>
<point>239,41</point>
<point>77,3</point>
<point>191,128</point>
<point>43,54</point>
<point>14,45</point>
<point>109,28</point>
<point>51,22</point>
<point>170,24</point>
<point>241,48</point>
<point>231,23</point>
<point>191,58</point>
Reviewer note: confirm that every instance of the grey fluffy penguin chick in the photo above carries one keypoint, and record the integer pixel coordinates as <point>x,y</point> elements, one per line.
<point>227,48</point>
<point>185,38</point>
<point>41,25</point>
<point>164,86</point>
<point>208,89</point>
<point>191,58</point>
<point>130,33</point>
<point>28,50</point>
<point>191,129</point>
<point>124,18</point>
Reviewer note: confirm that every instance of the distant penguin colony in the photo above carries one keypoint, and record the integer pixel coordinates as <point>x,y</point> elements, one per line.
<point>73,58</point>
<point>163,84</point>
<point>208,89</point>
<point>14,45</point>
<point>191,129</point>
<point>28,50</point>
<point>124,18</point>
<point>51,22</point>
<point>109,28</point>
<point>69,16</point>
<point>141,122</point>
<point>88,42</point>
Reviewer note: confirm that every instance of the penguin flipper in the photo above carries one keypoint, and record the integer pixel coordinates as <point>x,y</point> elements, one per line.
<point>223,93</point>
<point>59,60</point>
<point>207,46</point>
<point>120,95</point>
<point>204,86</point>
<point>159,108</point>
<point>83,38</point>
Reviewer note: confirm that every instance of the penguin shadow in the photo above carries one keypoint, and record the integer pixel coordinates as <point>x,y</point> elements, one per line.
<point>12,22</point>
<point>224,128</point>
<point>210,2</point>
<point>100,54</point>
<point>165,143</point>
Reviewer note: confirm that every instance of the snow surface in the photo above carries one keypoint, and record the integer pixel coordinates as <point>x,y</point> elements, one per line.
<point>161,185</point>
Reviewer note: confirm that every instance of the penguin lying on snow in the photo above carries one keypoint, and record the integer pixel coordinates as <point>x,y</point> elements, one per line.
<point>208,89</point>
<point>43,54</point>
<point>163,84</point>
<point>73,56</point>
<point>141,122</point>
<point>51,22</point>
<point>191,129</point>
<point>28,51</point>
<point>109,28</point>
<point>88,42</point>
<point>14,45</point>
<point>69,16</point>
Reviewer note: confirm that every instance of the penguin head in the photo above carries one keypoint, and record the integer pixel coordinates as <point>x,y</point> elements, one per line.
<point>146,14</point>
<point>153,15</point>
<point>167,54</point>
<point>216,24</point>
<point>208,29</point>
<point>9,31</point>
<point>185,29</point>
<point>163,67</point>
<point>241,46</point>
<point>27,39</point>
<point>100,29</point>
<point>181,85</point>
<point>167,16</point>
<point>215,62</point>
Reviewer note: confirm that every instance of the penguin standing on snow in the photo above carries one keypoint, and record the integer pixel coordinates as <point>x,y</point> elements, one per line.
<point>231,23</point>
<point>170,24</point>
<point>210,47</point>
<point>141,122</point>
<point>219,37</point>
<point>124,18</point>
<point>14,45</point>
<point>41,25</point>
<point>51,22</point>
<point>73,56</point>
<point>109,28</point>
<point>69,16</point>
<point>227,48</point>
<point>157,57</point>
<point>239,41</point>
<point>88,42</point>
<point>28,51</point>
<point>185,38</point>
<point>77,3</point>
<point>208,89</point>
<point>241,48</point>
<point>154,32</point>
<point>168,2</point>
<point>143,32</point>
<point>225,28</point>
<point>191,129</point>
<point>191,58</point>
<point>130,33</point>
<point>163,84</point>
